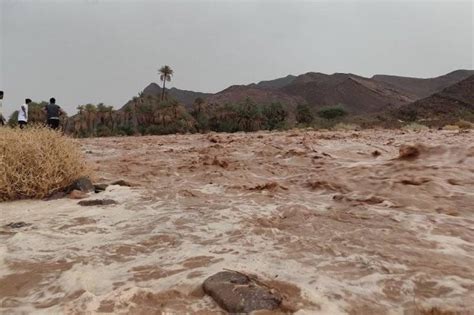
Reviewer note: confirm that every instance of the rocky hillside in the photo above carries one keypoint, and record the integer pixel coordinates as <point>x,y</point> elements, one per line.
<point>420,88</point>
<point>260,95</point>
<point>277,83</point>
<point>254,107</point>
<point>357,94</point>
<point>448,106</point>
<point>184,97</point>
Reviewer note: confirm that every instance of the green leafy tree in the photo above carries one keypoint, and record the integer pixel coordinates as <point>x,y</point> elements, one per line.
<point>332,112</point>
<point>135,101</point>
<point>165,75</point>
<point>199,104</point>
<point>304,114</point>
<point>408,114</point>
<point>104,108</point>
<point>275,115</point>
<point>13,120</point>
<point>202,122</point>
<point>224,118</point>
<point>249,116</point>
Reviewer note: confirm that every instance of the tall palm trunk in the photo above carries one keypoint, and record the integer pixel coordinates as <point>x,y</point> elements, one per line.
<point>134,118</point>
<point>163,91</point>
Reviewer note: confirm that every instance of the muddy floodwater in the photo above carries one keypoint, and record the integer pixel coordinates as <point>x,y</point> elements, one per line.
<point>333,220</point>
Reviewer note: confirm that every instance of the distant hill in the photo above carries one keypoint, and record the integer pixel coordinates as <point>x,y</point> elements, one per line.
<point>357,94</point>
<point>185,97</point>
<point>382,100</point>
<point>238,93</point>
<point>277,83</point>
<point>447,106</point>
<point>420,88</point>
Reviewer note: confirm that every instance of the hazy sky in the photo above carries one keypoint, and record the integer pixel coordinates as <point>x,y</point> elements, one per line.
<point>83,51</point>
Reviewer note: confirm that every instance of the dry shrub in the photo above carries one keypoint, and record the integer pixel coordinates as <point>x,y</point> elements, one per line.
<point>36,162</point>
<point>451,127</point>
<point>348,127</point>
<point>415,127</point>
<point>463,124</point>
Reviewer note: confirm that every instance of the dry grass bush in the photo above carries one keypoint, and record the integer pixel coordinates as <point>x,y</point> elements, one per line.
<point>415,127</point>
<point>451,127</point>
<point>463,124</point>
<point>36,162</point>
<point>347,127</point>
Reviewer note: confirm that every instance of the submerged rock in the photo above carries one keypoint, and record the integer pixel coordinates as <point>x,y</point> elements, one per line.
<point>376,153</point>
<point>97,202</point>
<point>77,194</point>
<point>408,152</point>
<point>17,225</point>
<point>83,184</point>
<point>238,293</point>
<point>57,195</point>
<point>100,188</point>
<point>122,182</point>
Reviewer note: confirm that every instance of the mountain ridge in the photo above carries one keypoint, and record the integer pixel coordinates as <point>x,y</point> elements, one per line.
<point>358,94</point>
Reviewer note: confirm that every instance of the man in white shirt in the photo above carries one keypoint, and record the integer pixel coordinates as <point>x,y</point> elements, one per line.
<point>2,120</point>
<point>23,114</point>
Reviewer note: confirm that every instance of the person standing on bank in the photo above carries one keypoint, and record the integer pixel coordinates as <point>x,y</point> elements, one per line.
<point>23,114</point>
<point>53,112</point>
<point>2,120</point>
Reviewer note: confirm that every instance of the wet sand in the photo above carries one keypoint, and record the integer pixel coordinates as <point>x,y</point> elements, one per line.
<point>333,219</point>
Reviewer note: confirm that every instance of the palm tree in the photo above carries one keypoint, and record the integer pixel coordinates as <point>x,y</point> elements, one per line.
<point>198,103</point>
<point>165,75</point>
<point>135,101</point>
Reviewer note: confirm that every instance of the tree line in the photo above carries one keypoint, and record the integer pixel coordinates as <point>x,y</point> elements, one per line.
<point>160,115</point>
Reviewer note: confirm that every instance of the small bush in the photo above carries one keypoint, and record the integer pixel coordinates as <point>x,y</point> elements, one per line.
<point>36,162</point>
<point>275,115</point>
<point>451,127</point>
<point>407,114</point>
<point>104,131</point>
<point>463,124</point>
<point>332,112</point>
<point>348,127</point>
<point>125,131</point>
<point>321,123</point>
<point>415,127</point>
<point>303,114</point>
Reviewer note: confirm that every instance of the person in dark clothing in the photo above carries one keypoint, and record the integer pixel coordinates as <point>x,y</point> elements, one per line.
<point>2,120</point>
<point>53,112</point>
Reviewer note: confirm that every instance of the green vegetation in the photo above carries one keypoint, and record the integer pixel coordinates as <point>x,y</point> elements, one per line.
<point>415,127</point>
<point>150,115</point>
<point>346,126</point>
<point>159,115</point>
<point>304,114</point>
<point>408,114</point>
<point>332,112</point>
<point>165,75</point>
<point>275,115</point>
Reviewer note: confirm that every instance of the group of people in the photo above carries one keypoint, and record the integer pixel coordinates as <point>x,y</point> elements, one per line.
<point>52,111</point>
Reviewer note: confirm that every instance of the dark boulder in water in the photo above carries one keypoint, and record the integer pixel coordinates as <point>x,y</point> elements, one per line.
<point>97,202</point>
<point>238,293</point>
<point>83,184</point>
<point>17,225</point>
